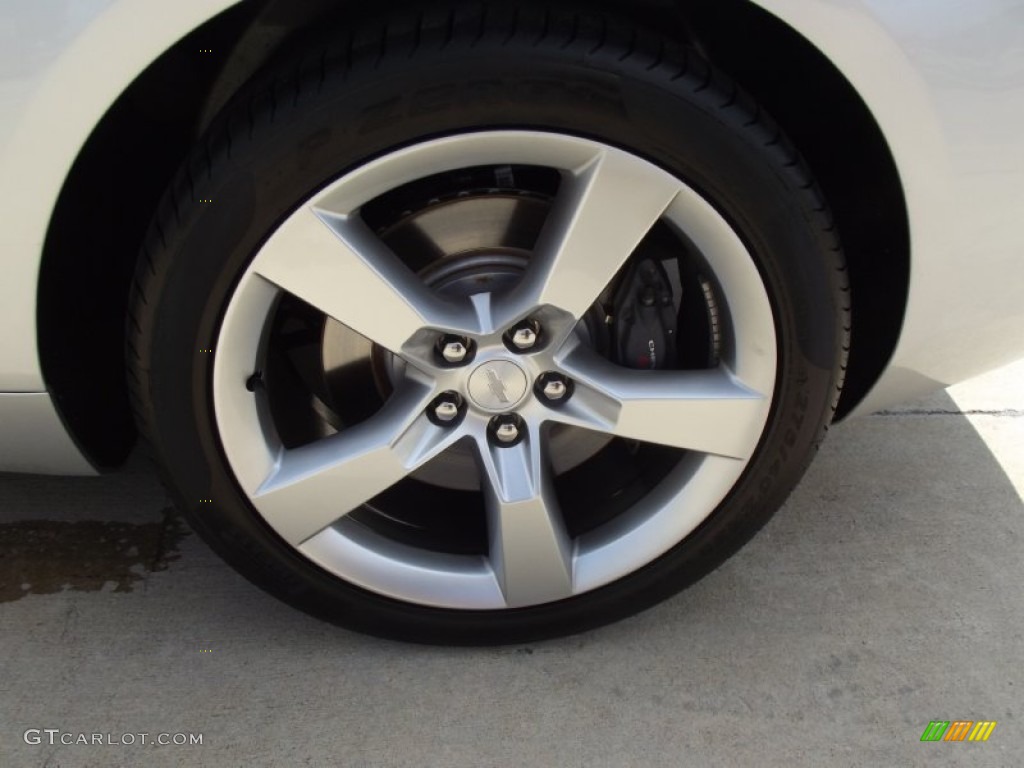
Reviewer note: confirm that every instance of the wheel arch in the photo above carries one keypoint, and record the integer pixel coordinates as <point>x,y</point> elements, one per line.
<point>828,120</point>
<point>129,158</point>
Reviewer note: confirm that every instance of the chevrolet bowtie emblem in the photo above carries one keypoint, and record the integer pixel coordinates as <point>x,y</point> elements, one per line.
<point>496,385</point>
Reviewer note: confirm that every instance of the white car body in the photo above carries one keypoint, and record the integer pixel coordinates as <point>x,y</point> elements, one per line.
<point>944,81</point>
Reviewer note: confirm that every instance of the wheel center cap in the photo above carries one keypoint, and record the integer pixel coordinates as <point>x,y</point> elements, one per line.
<point>498,385</point>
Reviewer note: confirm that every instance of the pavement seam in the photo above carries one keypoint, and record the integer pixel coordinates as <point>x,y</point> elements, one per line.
<point>1011,413</point>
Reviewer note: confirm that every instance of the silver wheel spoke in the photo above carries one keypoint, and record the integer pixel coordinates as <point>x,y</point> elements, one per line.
<point>709,411</point>
<point>315,485</point>
<point>600,216</point>
<point>530,551</point>
<point>336,264</point>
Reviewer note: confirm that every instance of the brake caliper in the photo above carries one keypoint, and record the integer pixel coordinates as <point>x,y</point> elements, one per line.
<point>645,321</point>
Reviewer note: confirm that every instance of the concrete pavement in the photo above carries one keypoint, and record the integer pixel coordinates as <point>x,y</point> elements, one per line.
<point>888,592</point>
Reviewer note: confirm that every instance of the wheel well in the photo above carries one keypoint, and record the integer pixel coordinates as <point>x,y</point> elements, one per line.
<point>97,228</point>
<point>836,133</point>
<point>117,180</point>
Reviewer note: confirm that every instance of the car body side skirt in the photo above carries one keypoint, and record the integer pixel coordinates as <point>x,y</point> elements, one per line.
<point>33,437</point>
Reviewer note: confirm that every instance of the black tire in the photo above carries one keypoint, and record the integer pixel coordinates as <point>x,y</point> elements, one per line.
<point>440,73</point>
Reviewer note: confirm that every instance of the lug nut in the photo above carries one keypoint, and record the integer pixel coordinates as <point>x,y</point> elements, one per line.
<point>507,429</point>
<point>524,338</point>
<point>446,408</point>
<point>553,387</point>
<point>454,352</point>
<point>454,349</point>
<point>555,390</point>
<point>446,411</point>
<point>524,335</point>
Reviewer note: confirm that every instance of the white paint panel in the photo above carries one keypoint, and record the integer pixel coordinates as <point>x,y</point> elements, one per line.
<point>33,438</point>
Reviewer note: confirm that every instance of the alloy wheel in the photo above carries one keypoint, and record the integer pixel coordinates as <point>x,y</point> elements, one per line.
<point>496,371</point>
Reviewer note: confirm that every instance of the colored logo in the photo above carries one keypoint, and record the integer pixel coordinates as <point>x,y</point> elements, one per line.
<point>958,730</point>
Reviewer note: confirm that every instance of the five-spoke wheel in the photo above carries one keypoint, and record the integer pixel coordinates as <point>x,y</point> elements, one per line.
<point>529,367</point>
<point>518,324</point>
